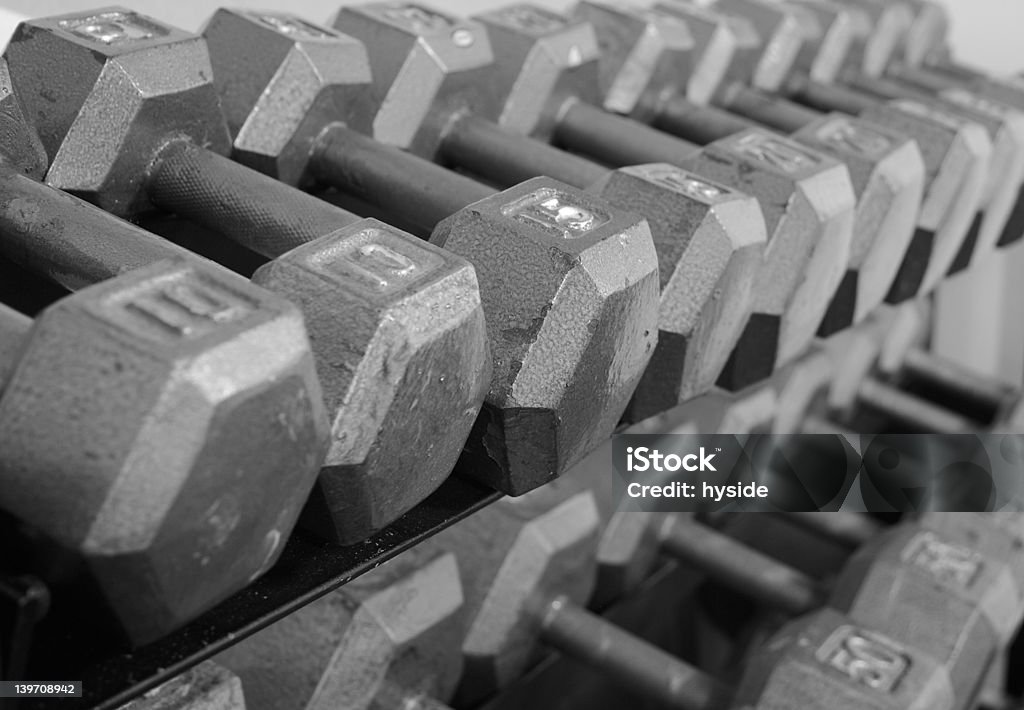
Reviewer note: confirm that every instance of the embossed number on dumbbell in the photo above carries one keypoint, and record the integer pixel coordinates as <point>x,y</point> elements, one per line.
<point>943,118</point>
<point>776,152</point>
<point>948,563</point>
<point>291,25</point>
<point>530,19</point>
<point>380,263</point>
<point>422,21</point>
<point>556,213</point>
<point>854,138</point>
<point>114,27</point>
<point>680,181</point>
<point>185,308</point>
<point>968,99</point>
<point>865,657</point>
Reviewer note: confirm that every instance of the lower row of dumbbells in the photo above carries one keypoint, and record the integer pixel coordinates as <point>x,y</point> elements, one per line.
<point>148,420</point>
<point>919,614</point>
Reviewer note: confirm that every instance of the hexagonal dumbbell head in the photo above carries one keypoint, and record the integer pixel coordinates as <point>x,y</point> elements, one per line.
<point>577,261</point>
<point>516,557</point>
<point>902,579</point>
<point>400,342</point>
<point>762,56</point>
<point>281,80</point>
<point>888,175</point>
<point>642,51</point>
<point>825,660</point>
<point>832,35</point>
<point>395,631</point>
<point>890,25</point>
<point>886,168</point>
<point>808,204</point>
<point>714,60</point>
<point>207,686</point>
<point>397,324</point>
<point>174,368</point>
<point>424,62</point>
<point>801,389</point>
<point>710,243</point>
<point>21,149</point>
<point>928,31</point>
<point>956,156</point>
<point>540,59</point>
<point>995,535</point>
<point>105,91</point>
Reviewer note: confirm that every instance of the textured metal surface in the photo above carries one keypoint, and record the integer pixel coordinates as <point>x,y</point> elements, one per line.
<point>251,209</point>
<point>175,366</point>
<point>112,673</point>
<point>69,241</point>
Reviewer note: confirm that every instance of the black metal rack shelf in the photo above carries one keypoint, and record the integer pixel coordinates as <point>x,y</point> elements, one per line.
<point>111,674</point>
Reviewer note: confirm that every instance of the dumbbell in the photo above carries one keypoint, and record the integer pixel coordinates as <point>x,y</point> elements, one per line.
<point>894,582</point>
<point>887,177</point>
<point>1000,218</point>
<point>709,239</point>
<point>903,362</point>
<point>642,67</point>
<point>884,26</point>
<point>390,638</point>
<point>1004,208</point>
<point>957,155</point>
<point>812,228</point>
<point>569,282</point>
<point>206,686</point>
<point>526,593</point>
<point>1003,222</point>
<point>397,325</point>
<point>166,362</point>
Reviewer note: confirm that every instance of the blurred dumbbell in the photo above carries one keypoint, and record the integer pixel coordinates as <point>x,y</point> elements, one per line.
<point>709,238</point>
<point>644,70</point>
<point>811,201</point>
<point>397,325</point>
<point>1003,221</point>
<point>388,639</point>
<point>932,590</point>
<point>780,676</point>
<point>956,152</point>
<point>558,325</point>
<point>207,686</point>
<point>166,362</point>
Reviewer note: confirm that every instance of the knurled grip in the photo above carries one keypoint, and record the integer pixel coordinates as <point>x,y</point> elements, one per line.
<point>245,206</point>
<point>395,181</point>
<point>68,240</point>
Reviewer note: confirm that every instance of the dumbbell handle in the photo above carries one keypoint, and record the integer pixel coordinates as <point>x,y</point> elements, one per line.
<point>507,158</point>
<point>68,240</point>
<point>850,529</point>
<point>781,114</point>
<point>245,206</point>
<point>960,382</point>
<point>738,566</point>
<point>828,97</point>
<point>921,416</point>
<point>615,140</point>
<point>635,663</point>
<point>420,191</point>
<point>14,329</point>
